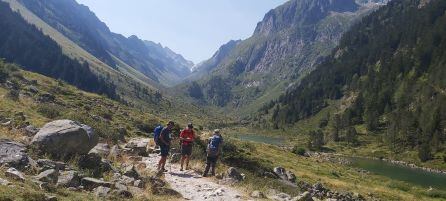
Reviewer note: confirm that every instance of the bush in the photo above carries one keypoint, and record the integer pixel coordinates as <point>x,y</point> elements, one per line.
<point>13,94</point>
<point>299,151</point>
<point>444,158</point>
<point>50,111</point>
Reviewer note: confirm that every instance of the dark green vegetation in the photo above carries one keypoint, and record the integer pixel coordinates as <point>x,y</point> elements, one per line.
<point>285,46</point>
<point>25,45</point>
<point>390,69</point>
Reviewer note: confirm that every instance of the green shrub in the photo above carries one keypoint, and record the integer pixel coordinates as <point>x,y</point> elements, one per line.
<point>101,128</point>
<point>299,150</point>
<point>50,111</point>
<point>13,94</point>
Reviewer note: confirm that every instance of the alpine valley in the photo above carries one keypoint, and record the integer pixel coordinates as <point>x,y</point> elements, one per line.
<point>326,100</point>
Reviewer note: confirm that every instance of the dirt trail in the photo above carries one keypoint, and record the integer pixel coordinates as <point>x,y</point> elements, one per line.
<point>192,185</point>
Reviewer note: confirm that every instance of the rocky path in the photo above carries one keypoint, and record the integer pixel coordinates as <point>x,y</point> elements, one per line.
<point>192,185</point>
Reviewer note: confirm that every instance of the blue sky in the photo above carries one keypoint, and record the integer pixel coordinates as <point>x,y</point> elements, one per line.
<point>193,28</point>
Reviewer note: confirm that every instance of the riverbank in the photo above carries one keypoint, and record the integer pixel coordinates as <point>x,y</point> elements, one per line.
<point>341,158</point>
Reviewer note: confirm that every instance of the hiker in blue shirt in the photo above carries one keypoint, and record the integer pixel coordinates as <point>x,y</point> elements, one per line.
<point>213,152</point>
<point>164,143</point>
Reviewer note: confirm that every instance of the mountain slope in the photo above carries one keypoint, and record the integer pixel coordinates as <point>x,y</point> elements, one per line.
<point>81,26</point>
<point>24,44</point>
<point>204,68</point>
<point>285,46</point>
<point>392,68</point>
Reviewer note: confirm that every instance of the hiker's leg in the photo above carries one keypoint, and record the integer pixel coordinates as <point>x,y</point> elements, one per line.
<point>208,165</point>
<point>213,169</point>
<point>164,159</point>
<point>183,157</point>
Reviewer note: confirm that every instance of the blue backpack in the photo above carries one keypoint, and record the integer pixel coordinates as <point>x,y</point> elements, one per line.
<point>156,133</point>
<point>214,145</point>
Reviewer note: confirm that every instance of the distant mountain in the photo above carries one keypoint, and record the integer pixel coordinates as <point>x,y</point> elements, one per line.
<point>80,25</point>
<point>285,46</point>
<point>389,73</point>
<point>25,45</point>
<point>207,66</point>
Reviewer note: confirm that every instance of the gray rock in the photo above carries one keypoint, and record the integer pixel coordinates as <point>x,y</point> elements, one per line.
<point>101,149</point>
<point>175,158</point>
<point>13,173</point>
<point>13,154</point>
<point>6,123</point>
<point>91,183</point>
<point>258,195</point>
<point>33,89</point>
<point>126,180</point>
<point>306,196</point>
<point>138,146</point>
<point>233,173</point>
<point>68,179</point>
<point>285,174</point>
<point>291,176</point>
<point>139,183</point>
<point>270,175</point>
<point>280,172</point>
<point>46,98</point>
<point>120,186</point>
<point>130,171</point>
<point>46,164</point>
<point>123,193</point>
<point>4,182</point>
<point>50,198</point>
<point>65,137</point>
<point>282,197</point>
<point>115,152</point>
<point>101,191</point>
<point>50,176</point>
<point>30,130</point>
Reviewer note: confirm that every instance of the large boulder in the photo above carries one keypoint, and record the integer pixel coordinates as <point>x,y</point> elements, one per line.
<point>13,154</point>
<point>65,137</point>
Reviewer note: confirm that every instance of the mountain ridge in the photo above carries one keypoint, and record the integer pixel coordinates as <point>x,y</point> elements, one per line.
<point>284,47</point>
<point>83,27</point>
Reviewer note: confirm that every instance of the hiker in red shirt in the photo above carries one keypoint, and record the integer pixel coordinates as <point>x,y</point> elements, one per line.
<point>187,137</point>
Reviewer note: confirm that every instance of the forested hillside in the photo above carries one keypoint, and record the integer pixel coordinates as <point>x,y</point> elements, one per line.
<point>24,44</point>
<point>391,68</point>
<point>285,46</point>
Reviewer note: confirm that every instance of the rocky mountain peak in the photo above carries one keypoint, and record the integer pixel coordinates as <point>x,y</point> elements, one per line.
<point>300,12</point>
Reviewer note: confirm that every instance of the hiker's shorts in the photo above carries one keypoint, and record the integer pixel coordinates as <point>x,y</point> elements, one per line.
<point>186,150</point>
<point>164,150</point>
